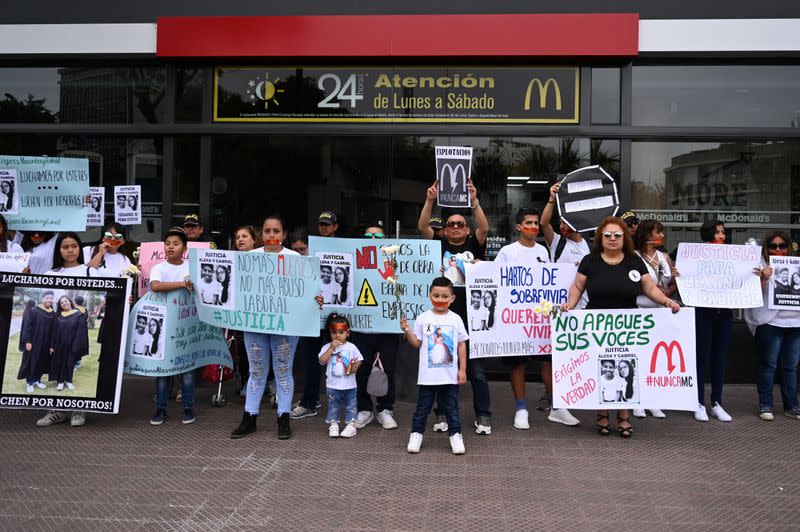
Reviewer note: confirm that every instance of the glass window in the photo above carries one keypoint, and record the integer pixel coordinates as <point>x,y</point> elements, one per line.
<point>83,95</point>
<point>736,95</point>
<point>605,95</point>
<point>189,104</point>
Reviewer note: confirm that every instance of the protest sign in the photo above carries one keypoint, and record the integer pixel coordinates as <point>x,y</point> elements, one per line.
<point>150,254</point>
<point>389,278</point>
<point>784,285</point>
<point>266,293</point>
<point>336,278</point>
<point>13,262</point>
<point>165,337</point>
<point>50,192</point>
<point>620,359</point>
<point>48,325</point>
<point>8,191</point>
<point>719,275</point>
<point>502,306</point>
<point>453,170</point>
<point>96,213</point>
<point>128,204</point>
<point>587,195</point>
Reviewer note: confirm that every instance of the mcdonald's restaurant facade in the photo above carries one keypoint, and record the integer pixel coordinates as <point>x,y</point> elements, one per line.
<point>236,110</point>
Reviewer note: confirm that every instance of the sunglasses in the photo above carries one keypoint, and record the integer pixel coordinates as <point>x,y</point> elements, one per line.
<point>456,224</point>
<point>113,236</point>
<point>774,245</point>
<point>615,234</point>
<point>373,235</point>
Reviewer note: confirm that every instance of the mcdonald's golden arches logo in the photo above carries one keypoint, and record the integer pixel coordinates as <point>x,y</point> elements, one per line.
<point>668,349</point>
<point>543,88</point>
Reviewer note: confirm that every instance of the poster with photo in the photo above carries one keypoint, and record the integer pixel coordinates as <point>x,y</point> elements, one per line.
<point>62,342</point>
<point>619,359</point>
<point>453,170</point>
<point>148,339</point>
<point>96,214</point>
<point>784,285</point>
<point>502,300</point>
<point>128,204</point>
<point>336,278</point>
<point>150,254</point>
<point>9,202</point>
<point>14,262</point>
<point>216,273</point>
<point>719,275</point>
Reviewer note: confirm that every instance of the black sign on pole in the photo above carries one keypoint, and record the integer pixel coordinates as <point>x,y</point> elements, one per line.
<point>587,195</point>
<point>453,170</point>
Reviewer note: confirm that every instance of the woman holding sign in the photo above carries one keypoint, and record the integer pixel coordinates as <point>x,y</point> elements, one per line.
<point>777,332</point>
<point>6,245</point>
<point>614,277</point>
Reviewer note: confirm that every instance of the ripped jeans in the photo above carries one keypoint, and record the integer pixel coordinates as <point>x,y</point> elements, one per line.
<point>263,349</point>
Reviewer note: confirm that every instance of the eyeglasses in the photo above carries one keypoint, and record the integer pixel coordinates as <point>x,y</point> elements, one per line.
<point>113,236</point>
<point>775,245</point>
<point>373,235</point>
<point>456,224</point>
<point>615,234</point>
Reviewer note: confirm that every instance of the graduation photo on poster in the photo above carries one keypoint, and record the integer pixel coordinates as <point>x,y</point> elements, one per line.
<point>62,342</point>
<point>128,204</point>
<point>453,170</point>
<point>784,285</point>
<point>8,191</point>
<point>96,214</point>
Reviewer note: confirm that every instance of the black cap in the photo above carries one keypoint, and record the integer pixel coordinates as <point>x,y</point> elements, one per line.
<point>630,218</point>
<point>327,217</point>
<point>192,219</point>
<point>435,222</point>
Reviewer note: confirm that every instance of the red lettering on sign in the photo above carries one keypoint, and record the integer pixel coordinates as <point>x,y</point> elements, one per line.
<point>367,258</point>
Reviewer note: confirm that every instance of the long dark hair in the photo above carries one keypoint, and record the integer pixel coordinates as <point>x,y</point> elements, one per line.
<point>629,378</point>
<point>708,229</point>
<point>4,239</point>
<point>154,347</point>
<point>343,292</point>
<point>490,322</point>
<point>768,238</point>
<point>27,241</point>
<point>10,199</point>
<point>642,234</point>
<point>224,296</point>
<point>627,241</point>
<point>58,260</point>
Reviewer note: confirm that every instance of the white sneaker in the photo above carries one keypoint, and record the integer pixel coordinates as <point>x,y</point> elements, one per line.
<point>440,425</point>
<point>563,416</point>
<point>639,413</point>
<point>700,414</point>
<point>40,385</point>
<point>483,425</point>
<point>521,420</point>
<point>364,418</point>
<point>766,415</point>
<point>349,431</point>
<point>51,418</point>
<point>70,386</point>
<point>386,419</point>
<point>333,430</point>
<point>60,386</point>
<point>414,442</point>
<point>29,388</point>
<point>456,444</point>
<point>658,414</point>
<point>720,413</point>
<point>78,418</point>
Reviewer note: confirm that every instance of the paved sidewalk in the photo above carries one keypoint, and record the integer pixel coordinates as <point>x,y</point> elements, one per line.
<point>119,473</point>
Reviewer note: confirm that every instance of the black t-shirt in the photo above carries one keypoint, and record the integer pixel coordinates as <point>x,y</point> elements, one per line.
<point>454,269</point>
<point>612,286</point>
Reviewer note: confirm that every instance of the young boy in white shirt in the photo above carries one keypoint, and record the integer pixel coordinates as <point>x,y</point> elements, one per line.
<point>441,338</point>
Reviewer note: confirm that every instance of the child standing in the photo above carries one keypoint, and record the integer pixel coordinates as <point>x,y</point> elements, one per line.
<point>437,334</point>
<point>343,360</point>
<point>173,274</point>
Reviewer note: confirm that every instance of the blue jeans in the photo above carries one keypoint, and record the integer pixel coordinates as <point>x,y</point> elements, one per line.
<point>773,343</point>
<point>713,327</point>
<point>446,396</point>
<point>164,385</point>
<point>341,400</point>
<point>263,351</point>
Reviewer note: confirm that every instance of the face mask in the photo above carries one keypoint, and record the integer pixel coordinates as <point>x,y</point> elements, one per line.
<point>658,242</point>
<point>530,231</point>
<point>440,304</point>
<point>272,242</point>
<point>717,241</point>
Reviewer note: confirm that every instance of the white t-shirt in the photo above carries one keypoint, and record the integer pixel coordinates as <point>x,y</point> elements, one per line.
<point>209,292</point>
<point>76,271</point>
<point>283,251</point>
<point>13,247</point>
<point>169,273</point>
<point>42,256</point>
<point>111,265</point>
<point>573,253</point>
<point>609,389</point>
<point>140,343</point>
<point>642,301</point>
<point>337,366</point>
<point>516,253</point>
<point>439,335</point>
<point>478,317</point>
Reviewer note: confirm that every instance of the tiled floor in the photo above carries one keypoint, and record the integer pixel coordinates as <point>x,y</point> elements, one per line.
<point>119,473</point>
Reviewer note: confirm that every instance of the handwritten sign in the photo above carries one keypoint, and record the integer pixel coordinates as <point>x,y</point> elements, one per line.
<point>375,306</point>
<point>620,359</point>
<point>501,303</point>
<point>719,275</point>
<point>128,204</point>
<point>96,213</point>
<point>13,262</point>
<point>165,337</point>
<point>784,285</point>
<point>150,254</point>
<point>266,292</point>
<point>50,192</point>
<point>586,196</point>
<point>453,170</point>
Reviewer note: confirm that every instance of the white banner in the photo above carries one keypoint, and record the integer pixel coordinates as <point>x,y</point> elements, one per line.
<point>784,285</point>
<point>620,359</point>
<point>719,275</point>
<point>502,304</point>
<point>14,262</point>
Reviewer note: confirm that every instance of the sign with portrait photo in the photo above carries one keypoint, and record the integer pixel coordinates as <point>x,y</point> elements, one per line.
<point>9,202</point>
<point>336,278</point>
<point>96,213</point>
<point>128,204</point>
<point>62,342</point>
<point>719,275</point>
<point>784,285</point>
<point>621,359</point>
<point>587,195</point>
<point>453,170</point>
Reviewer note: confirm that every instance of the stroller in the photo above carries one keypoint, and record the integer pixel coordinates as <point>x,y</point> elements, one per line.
<point>217,373</point>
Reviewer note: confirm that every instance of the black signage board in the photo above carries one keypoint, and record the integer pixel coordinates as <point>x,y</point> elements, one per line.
<point>515,95</point>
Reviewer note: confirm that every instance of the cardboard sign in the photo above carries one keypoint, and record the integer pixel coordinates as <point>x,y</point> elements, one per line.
<point>784,285</point>
<point>96,213</point>
<point>719,275</point>
<point>587,195</point>
<point>453,170</point>
<point>150,254</point>
<point>128,204</point>
<point>14,262</point>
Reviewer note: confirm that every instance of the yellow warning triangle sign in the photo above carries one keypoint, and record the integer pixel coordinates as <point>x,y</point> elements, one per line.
<point>365,296</point>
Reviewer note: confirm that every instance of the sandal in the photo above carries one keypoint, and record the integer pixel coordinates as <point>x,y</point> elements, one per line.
<point>603,430</point>
<point>624,432</point>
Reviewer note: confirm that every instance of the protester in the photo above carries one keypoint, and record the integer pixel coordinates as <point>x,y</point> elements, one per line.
<point>106,257</point>
<point>41,245</point>
<point>632,221</point>
<point>35,343</point>
<point>327,224</point>
<point>777,334</point>
<point>246,238</point>
<point>342,360</point>
<point>195,232</point>
<point>437,333</point>
<point>173,274</point>
<point>298,240</point>
<point>7,245</point>
<point>437,224</point>
<point>460,246</point>
<point>376,345</point>
<point>614,276</point>
<point>647,240</point>
<point>566,247</point>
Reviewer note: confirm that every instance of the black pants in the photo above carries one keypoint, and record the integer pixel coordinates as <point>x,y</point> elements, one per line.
<point>309,348</point>
<point>368,344</point>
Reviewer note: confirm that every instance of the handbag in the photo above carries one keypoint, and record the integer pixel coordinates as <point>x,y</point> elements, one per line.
<point>378,382</point>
